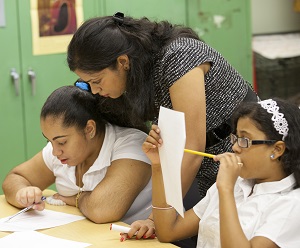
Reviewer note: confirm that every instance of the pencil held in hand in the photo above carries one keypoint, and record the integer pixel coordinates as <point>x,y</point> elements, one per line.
<point>24,210</point>
<point>199,153</point>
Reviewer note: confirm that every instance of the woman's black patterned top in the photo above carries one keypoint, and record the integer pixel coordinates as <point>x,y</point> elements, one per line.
<point>224,89</point>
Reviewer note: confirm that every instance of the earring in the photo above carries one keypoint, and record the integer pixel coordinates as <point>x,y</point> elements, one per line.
<point>91,135</point>
<point>272,156</point>
<point>126,68</point>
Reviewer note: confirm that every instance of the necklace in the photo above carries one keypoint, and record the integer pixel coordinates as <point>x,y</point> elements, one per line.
<point>79,183</point>
<point>79,173</point>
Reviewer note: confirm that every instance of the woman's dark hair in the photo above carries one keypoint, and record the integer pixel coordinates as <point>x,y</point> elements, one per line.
<point>98,43</point>
<point>290,160</point>
<point>76,106</point>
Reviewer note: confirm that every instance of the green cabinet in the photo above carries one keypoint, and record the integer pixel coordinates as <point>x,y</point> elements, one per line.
<point>12,138</point>
<point>26,81</point>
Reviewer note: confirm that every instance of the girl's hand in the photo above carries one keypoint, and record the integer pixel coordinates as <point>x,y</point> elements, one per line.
<point>151,144</point>
<point>30,195</point>
<point>140,229</point>
<point>229,170</point>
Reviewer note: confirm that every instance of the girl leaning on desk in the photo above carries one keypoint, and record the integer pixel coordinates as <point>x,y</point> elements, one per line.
<point>96,166</point>
<point>255,201</point>
<point>136,66</point>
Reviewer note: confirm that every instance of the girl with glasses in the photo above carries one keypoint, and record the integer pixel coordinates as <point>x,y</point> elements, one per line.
<point>96,166</point>
<point>255,201</point>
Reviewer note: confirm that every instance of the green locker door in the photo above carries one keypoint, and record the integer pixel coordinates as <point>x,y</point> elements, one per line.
<point>20,132</point>
<point>51,71</point>
<point>12,141</point>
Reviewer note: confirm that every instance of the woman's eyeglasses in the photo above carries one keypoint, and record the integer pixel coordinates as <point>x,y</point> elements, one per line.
<point>246,143</point>
<point>82,85</point>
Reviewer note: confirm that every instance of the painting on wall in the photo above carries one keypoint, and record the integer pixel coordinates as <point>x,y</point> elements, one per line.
<point>53,24</point>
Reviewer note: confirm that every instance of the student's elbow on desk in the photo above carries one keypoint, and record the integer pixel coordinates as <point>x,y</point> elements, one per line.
<point>101,217</point>
<point>100,214</point>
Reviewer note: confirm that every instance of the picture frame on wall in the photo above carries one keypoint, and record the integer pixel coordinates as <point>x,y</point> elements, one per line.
<point>53,24</point>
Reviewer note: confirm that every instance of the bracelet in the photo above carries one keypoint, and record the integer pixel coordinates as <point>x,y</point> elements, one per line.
<point>162,208</point>
<point>77,198</point>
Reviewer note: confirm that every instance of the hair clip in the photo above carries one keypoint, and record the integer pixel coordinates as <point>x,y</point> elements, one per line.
<point>119,18</point>
<point>83,85</point>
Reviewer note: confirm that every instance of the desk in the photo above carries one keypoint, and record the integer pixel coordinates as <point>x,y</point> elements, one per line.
<point>99,235</point>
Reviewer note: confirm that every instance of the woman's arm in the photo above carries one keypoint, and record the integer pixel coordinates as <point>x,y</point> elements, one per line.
<point>24,184</point>
<point>114,195</point>
<point>188,96</point>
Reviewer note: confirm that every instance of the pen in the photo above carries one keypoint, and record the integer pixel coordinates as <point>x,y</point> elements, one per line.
<point>199,153</point>
<point>25,209</point>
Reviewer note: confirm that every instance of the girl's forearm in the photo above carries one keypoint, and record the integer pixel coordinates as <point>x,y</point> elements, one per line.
<point>164,218</point>
<point>11,185</point>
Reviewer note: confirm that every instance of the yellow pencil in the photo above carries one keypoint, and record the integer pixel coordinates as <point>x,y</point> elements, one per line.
<point>199,153</point>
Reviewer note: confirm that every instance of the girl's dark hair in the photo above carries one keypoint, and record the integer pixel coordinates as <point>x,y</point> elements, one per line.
<point>98,43</point>
<point>290,160</point>
<point>76,106</point>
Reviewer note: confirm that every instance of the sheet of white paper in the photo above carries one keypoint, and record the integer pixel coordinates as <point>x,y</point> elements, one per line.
<point>35,220</point>
<point>172,126</point>
<point>35,239</point>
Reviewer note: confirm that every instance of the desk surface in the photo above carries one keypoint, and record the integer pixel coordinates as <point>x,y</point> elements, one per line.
<point>99,235</point>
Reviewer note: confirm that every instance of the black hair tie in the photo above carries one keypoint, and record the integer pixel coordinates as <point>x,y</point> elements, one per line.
<point>119,18</point>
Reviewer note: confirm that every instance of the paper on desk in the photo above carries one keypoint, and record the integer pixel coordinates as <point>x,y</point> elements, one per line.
<point>35,220</point>
<point>35,239</point>
<point>172,126</point>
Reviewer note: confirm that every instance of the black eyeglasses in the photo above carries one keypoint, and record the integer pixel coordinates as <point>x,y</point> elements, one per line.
<point>246,143</point>
<point>82,85</point>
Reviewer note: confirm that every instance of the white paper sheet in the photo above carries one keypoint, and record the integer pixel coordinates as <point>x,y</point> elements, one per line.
<point>35,220</point>
<point>172,126</point>
<point>32,239</point>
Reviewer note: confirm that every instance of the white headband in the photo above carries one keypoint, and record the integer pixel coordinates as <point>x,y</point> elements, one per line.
<point>279,122</point>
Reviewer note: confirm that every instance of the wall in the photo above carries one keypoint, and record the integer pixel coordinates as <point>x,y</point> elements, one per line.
<point>274,16</point>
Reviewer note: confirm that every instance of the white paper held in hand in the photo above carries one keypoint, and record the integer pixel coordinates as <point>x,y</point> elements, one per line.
<point>172,129</point>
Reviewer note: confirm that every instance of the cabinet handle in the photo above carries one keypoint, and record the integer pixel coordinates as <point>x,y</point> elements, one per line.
<point>16,78</point>
<point>32,78</point>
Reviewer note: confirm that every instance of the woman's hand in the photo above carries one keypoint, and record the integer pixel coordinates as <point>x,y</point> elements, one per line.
<point>229,170</point>
<point>30,195</point>
<point>151,144</point>
<point>140,229</point>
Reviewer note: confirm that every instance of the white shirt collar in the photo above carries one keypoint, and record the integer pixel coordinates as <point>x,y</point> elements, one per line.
<point>283,186</point>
